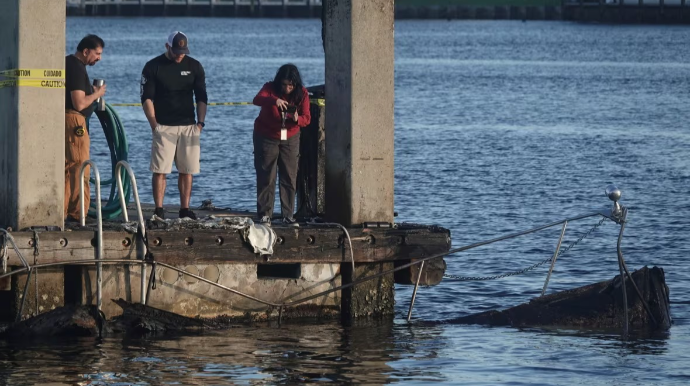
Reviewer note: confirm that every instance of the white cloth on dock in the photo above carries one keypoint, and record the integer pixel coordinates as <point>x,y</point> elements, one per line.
<point>262,238</point>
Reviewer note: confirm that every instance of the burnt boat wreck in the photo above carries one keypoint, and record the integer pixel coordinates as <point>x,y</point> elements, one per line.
<point>85,320</point>
<point>600,305</point>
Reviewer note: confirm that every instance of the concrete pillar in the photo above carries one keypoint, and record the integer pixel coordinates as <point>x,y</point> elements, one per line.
<point>359,118</point>
<point>32,148</point>
<point>373,298</point>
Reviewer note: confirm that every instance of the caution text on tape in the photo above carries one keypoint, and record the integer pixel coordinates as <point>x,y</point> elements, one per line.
<point>40,83</point>
<point>33,73</point>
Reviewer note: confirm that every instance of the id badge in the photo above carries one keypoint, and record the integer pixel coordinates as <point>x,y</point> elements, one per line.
<point>283,134</point>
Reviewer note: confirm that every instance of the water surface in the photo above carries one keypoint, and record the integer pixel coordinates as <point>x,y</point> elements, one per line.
<point>500,126</point>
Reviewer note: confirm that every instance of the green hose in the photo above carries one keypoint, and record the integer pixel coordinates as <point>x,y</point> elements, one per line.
<point>119,150</point>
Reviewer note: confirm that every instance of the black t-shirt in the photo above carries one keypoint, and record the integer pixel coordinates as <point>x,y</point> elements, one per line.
<point>170,86</point>
<point>76,78</point>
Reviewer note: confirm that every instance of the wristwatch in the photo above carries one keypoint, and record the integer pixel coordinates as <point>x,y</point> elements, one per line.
<point>202,124</point>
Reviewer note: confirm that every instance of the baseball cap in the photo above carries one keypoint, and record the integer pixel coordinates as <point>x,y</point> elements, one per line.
<point>178,43</point>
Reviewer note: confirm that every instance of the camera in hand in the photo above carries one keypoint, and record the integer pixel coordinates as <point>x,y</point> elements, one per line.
<point>291,109</point>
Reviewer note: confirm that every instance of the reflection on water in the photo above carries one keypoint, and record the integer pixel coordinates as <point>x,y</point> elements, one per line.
<point>263,355</point>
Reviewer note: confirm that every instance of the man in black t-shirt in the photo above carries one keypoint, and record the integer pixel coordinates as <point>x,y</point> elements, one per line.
<point>169,83</point>
<point>79,104</point>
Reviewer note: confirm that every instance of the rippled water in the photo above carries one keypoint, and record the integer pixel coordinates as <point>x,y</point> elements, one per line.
<point>500,126</point>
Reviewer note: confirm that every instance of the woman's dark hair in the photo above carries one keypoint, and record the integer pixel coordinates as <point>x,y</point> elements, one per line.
<point>289,72</point>
<point>90,42</point>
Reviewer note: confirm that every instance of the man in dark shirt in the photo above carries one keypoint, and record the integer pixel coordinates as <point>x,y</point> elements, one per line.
<point>79,104</point>
<point>168,84</point>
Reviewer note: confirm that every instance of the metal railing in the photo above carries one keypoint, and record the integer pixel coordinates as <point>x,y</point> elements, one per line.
<point>617,214</point>
<point>141,226</point>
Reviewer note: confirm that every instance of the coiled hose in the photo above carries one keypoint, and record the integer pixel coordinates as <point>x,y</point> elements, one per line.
<point>119,150</point>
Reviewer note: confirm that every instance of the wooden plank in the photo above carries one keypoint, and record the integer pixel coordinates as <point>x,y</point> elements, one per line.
<point>70,246</point>
<point>296,245</point>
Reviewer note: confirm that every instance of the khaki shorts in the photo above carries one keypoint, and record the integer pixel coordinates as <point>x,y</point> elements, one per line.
<point>175,143</point>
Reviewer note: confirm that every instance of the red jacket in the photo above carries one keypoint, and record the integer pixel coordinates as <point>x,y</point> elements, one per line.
<point>269,122</point>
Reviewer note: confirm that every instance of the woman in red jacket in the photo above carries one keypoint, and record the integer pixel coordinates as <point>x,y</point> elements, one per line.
<point>284,110</point>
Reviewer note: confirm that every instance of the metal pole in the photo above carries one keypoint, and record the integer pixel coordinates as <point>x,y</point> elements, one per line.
<point>141,246</point>
<point>414,293</point>
<point>152,282</point>
<point>99,247</point>
<point>625,300</point>
<point>26,289</point>
<point>553,259</point>
<point>142,257</point>
<point>120,190</point>
<point>133,179</point>
<point>99,236</point>
<point>622,274</point>
<point>36,288</point>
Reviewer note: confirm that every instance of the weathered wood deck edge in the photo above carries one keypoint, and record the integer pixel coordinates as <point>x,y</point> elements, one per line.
<point>306,244</point>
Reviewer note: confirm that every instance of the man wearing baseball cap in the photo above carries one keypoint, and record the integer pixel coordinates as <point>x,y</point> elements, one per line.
<point>169,84</point>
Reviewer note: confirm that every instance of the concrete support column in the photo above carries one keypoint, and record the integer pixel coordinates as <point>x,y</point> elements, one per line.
<point>32,150</point>
<point>359,119</point>
<point>373,298</point>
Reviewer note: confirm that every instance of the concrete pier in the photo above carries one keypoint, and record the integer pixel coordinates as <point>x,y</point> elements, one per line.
<point>32,105</point>
<point>306,261</point>
<point>353,187</point>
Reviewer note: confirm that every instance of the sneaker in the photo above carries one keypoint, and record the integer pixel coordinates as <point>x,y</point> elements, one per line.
<point>185,212</point>
<point>160,212</point>
<point>265,220</point>
<point>290,221</point>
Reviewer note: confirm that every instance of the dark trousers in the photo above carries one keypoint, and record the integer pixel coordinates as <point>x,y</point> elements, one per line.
<point>268,153</point>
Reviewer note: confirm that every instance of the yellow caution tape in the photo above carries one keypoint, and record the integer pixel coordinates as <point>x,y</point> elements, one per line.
<point>40,83</point>
<point>125,104</point>
<point>318,102</point>
<point>33,73</point>
<point>230,103</point>
<point>209,104</point>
